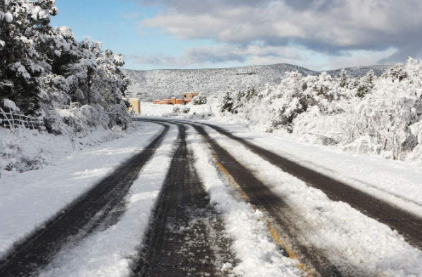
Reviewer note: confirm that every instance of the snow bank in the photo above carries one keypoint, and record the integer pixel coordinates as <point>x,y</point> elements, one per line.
<point>22,149</point>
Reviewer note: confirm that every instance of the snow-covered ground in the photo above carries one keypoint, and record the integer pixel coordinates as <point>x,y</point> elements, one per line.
<point>349,238</point>
<point>23,149</point>
<point>29,199</point>
<point>333,227</point>
<point>259,255</point>
<point>111,252</point>
<point>393,181</point>
<point>397,182</point>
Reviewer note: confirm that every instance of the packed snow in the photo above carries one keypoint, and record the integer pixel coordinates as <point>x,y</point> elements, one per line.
<point>29,199</point>
<point>111,252</point>
<point>396,182</point>
<point>335,228</point>
<point>259,255</point>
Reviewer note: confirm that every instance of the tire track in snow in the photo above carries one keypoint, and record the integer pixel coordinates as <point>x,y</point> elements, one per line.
<point>90,211</point>
<point>264,199</point>
<point>407,224</point>
<point>186,235</point>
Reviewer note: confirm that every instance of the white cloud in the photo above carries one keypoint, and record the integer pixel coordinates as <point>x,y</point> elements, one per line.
<point>329,27</point>
<point>258,54</point>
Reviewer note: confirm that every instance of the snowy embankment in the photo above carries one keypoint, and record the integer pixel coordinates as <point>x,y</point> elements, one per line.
<point>111,252</point>
<point>349,238</point>
<point>29,199</point>
<point>22,149</point>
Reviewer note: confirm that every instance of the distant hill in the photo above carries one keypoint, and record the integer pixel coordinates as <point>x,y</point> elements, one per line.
<point>164,83</point>
<point>361,71</point>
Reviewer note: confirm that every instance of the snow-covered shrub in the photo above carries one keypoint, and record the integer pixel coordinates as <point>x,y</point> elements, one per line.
<point>393,111</point>
<point>200,99</point>
<point>375,115</point>
<point>176,109</point>
<point>185,110</point>
<point>12,155</point>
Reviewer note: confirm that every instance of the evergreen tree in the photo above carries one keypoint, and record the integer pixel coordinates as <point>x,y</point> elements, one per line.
<point>366,84</point>
<point>343,78</point>
<point>22,64</point>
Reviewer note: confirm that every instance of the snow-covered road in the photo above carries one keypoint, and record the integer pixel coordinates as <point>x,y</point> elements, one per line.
<point>277,225</point>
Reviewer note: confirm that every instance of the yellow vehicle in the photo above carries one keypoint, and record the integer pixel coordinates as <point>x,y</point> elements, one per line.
<point>133,105</point>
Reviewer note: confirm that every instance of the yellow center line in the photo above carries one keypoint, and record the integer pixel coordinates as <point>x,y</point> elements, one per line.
<point>272,230</point>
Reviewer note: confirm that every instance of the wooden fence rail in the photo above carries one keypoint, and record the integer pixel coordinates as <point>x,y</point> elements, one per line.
<point>11,120</point>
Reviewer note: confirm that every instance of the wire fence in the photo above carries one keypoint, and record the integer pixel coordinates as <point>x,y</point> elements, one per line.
<point>12,120</point>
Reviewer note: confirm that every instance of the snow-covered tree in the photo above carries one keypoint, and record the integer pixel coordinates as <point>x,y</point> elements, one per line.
<point>21,64</point>
<point>44,70</point>
<point>369,114</point>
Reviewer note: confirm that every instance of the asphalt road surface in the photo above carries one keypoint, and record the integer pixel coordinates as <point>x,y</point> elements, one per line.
<point>186,235</point>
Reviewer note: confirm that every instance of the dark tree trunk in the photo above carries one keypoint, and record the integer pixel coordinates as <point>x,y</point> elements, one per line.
<point>89,85</point>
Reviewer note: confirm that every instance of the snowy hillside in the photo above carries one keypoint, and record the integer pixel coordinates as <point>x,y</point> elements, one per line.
<point>157,84</point>
<point>361,70</point>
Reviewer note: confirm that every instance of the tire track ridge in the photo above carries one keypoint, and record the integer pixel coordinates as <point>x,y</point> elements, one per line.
<point>38,248</point>
<point>406,223</point>
<point>178,241</point>
<point>263,198</point>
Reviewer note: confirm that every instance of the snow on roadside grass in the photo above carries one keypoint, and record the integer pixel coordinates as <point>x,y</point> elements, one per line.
<point>22,149</point>
<point>29,199</point>
<point>110,252</point>
<point>259,256</point>
<point>150,109</point>
<point>349,238</point>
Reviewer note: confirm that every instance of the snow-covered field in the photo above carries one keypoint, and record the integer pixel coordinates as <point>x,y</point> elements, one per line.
<point>29,199</point>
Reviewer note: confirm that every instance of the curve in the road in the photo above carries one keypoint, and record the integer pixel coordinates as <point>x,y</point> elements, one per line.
<point>37,250</point>
<point>185,230</point>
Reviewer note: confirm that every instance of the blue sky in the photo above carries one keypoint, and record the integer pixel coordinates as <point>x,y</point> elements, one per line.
<point>317,34</point>
<point>117,24</point>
